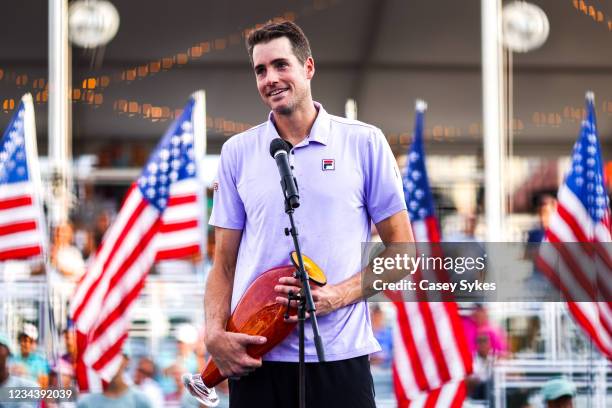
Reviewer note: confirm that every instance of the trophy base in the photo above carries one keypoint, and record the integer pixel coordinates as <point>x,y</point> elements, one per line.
<point>196,387</point>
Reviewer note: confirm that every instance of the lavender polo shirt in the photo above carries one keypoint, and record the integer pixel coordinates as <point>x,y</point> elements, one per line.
<point>347,176</point>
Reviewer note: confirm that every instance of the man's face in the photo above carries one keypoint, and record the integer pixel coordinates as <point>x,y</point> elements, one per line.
<point>546,210</point>
<point>144,370</point>
<point>483,342</point>
<point>70,340</point>
<point>283,82</point>
<point>26,344</point>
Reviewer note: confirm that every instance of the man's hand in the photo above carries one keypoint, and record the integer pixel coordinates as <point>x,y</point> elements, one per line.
<point>326,298</point>
<point>228,351</point>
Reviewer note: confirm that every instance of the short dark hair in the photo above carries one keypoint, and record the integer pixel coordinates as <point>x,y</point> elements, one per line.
<point>272,30</point>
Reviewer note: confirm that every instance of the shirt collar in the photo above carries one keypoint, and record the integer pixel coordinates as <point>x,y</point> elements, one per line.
<point>318,133</point>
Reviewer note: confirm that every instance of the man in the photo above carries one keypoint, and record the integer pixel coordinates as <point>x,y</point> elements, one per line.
<point>481,380</point>
<point>118,393</point>
<point>347,177</point>
<point>186,336</point>
<point>536,283</point>
<point>65,257</point>
<point>478,322</point>
<point>144,378</point>
<point>559,393</point>
<point>11,382</point>
<point>546,205</point>
<point>28,363</point>
<point>71,345</point>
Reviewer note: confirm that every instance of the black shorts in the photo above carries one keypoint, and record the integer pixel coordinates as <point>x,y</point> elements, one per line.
<point>344,383</point>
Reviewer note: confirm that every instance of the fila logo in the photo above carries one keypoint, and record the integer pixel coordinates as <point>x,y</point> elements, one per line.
<point>329,164</point>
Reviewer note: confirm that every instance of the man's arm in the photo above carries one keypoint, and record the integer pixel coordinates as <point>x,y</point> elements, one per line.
<point>228,350</point>
<point>395,229</point>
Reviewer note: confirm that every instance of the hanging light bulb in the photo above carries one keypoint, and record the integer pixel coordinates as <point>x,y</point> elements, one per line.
<point>525,26</point>
<point>92,23</point>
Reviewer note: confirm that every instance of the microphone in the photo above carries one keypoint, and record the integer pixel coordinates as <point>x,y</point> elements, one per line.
<point>279,150</point>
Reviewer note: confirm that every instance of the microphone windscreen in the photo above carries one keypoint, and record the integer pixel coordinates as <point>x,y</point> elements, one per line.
<point>278,144</point>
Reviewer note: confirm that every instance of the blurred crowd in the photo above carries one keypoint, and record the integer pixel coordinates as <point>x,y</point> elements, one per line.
<point>142,381</point>
<point>74,244</point>
<point>488,344</point>
<point>155,381</point>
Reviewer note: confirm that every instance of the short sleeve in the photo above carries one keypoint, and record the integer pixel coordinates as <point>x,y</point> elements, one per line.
<point>228,208</point>
<point>384,192</point>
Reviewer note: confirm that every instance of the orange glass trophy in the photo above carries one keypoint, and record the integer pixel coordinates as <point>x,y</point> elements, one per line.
<point>257,314</point>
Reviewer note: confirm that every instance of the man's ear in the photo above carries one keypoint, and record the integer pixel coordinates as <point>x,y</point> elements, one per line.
<point>309,67</point>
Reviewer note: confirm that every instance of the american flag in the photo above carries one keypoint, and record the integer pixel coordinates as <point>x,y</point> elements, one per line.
<point>583,215</point>
<point>22,226</point>
<point>430,355</point>
<point>159,219</point>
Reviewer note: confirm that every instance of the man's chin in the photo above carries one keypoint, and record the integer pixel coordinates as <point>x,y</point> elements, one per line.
<point>284,110</point>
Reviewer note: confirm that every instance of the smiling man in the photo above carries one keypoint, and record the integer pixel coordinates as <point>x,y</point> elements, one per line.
<point>348,178</point>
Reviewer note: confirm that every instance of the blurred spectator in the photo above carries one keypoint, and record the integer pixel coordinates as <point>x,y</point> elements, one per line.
<point>144,379</point>
<point>464,244</point>
<point>186,336</point>
<point>468,232</point>
<point>479,321</point>
<point>480,382</point>
<point>61,377</point>
<point>546,204</point>
<point>7,380</point>
<point>103,221</point>
<point>70,343</point>
<point>117,394</point>
<point>84,241</point>
<point>28,363</point>
<point>65,257</point>
<point>180,398</point>
<point>537,283</point>
<point>559,393</point>
<point>384,336</point>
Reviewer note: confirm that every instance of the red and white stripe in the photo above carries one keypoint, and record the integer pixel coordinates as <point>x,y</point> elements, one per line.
<point>431,357</point>
<point>579,270</point>
<point>143,232</point>
<point>100,306</point>
<point>180,234</point>
<point>21,235</point>
<point>450,395</point>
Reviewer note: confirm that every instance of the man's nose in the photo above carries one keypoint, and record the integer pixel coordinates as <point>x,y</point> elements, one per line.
<point>271,78</point>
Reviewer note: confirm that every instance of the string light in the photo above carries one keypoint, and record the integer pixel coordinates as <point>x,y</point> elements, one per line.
<point>593,12</point>
<point>195,51</point>
<point>135,109</point>
<point>95,99</point>
<point>8,105</point>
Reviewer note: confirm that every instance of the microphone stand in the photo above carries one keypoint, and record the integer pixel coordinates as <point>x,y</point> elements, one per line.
<point>305,303</point>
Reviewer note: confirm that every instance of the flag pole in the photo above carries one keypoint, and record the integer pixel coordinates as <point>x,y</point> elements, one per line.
<point>420,105</point>
<point>33,166</point>
<point>590,99</point>
<point>59,111</point>
<point>493,130</point>
<point>350,109</point>
<point>199,146</point>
